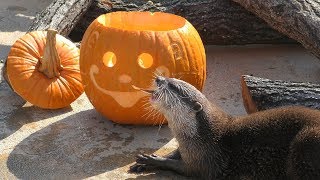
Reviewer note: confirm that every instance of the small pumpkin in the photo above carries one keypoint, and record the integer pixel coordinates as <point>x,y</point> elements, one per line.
<point>122,49</point>
<point>43,68</point>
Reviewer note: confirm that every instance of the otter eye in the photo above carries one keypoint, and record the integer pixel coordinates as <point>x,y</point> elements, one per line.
<point>197,106</point>
<point>178,89</point>
<point>172,86</point>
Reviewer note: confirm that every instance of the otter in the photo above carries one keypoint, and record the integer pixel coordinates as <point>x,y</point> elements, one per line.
<point>280,143</point>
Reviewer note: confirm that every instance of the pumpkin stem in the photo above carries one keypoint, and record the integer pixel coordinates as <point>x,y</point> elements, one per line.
<point>50,63</point>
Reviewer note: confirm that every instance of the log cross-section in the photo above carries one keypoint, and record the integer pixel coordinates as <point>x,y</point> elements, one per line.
<point>261,94</point>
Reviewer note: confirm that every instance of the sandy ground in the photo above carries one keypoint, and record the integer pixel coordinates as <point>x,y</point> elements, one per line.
<point>78,143</point>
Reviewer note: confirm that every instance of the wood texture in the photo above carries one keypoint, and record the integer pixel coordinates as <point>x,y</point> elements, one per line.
<point>261,94</point>
<point>298,19</point>
<point>61,15</point>
<point>219,22</point>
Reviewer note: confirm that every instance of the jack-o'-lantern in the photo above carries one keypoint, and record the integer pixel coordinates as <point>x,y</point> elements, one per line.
<point>122,49</point>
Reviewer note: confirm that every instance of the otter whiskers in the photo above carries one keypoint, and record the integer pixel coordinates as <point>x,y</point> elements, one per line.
<point>150,112</point>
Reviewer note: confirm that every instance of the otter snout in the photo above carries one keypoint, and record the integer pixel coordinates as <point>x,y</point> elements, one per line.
<point>160,80</point>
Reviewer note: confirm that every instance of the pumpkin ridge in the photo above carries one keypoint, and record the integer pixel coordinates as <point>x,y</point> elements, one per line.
<point>154,38</point>
<point>65,54</point>
<point>60,84</point>
<point>85,42</point>
<point>65,83</point>
<point>18,52</point>
<point>202,59</point>
<point>32,62</point>
<point>185,51</point>
<point>196,65</point>
<point>172,56</point>
<point>27,71</point>
<point>75,90</point>
<point>70,69</point>
<point>193,68</point>
<point>37,98</point>
<point>31,87</point>
<point>50,91</point>
<point>85,39</point>
<point>16,75</point>
<point>33,52</point>
<point>27,65</point>
<point>39,40</point>
<point>66,62</point>
<point>71,77</point>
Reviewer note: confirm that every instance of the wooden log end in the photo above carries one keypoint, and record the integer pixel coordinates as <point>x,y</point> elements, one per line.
<point>248,102</point>
<point>261,94</point>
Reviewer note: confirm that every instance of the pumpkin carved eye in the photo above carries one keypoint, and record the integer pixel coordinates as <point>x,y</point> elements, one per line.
<point>145,60</point>
<point>109,59</point>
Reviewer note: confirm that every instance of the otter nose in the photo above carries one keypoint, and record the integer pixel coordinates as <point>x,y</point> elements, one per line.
<point>160,80</point>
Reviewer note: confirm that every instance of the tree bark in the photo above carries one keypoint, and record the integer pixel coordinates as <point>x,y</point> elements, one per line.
<point>61,15</point>
<point>260,94</point>
<point>219,22</point>
<point>298,19</point>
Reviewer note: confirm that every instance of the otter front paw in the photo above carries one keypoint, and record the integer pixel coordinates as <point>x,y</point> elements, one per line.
<point>139,168</point>
<point>148,162</point>
<point>153,159</point>
<point>145,163</point>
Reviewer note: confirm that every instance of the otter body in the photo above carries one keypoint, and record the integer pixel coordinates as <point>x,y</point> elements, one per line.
<point>282,143</point>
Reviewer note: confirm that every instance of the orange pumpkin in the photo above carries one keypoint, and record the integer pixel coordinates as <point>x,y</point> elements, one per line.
<point>122,49</point>
<point>43,68</point>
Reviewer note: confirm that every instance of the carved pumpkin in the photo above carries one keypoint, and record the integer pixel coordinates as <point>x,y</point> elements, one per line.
<point>122,49</point>
<point>43,68</point>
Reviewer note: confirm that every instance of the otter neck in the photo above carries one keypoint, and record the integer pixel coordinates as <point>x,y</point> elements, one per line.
<point>208,122</point>
<point>180,125</point>
<point>203,134</point>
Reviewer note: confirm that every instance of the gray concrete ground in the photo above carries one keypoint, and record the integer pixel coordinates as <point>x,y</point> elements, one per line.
<point>15,18</point>
<point>78,143</point>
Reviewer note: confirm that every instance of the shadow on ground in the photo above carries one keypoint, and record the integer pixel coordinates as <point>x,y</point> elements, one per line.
<point>13,113</point>
<point>82,145</point>
<point>24,115</point>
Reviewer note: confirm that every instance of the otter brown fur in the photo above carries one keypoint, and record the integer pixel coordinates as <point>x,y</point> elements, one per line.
<point>281,143</point>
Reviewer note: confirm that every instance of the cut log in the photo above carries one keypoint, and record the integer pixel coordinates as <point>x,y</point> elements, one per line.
<point>60,15</point>
<point>219,22</point>
<point>298,19</point>
<point>260,94</point>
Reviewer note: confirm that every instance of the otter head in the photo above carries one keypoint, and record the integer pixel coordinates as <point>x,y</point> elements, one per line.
<point>178,101</point>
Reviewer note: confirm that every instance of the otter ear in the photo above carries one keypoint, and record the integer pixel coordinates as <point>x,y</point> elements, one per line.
<point>197,106</point>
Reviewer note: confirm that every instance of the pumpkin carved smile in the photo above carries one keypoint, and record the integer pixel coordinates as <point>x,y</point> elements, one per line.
<point>120,97</point>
